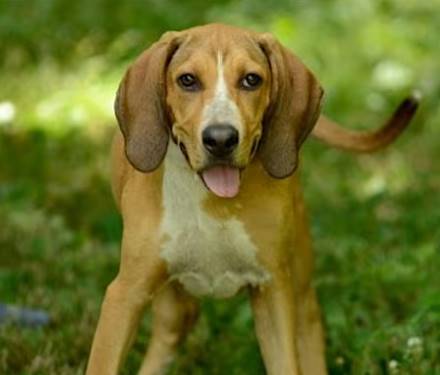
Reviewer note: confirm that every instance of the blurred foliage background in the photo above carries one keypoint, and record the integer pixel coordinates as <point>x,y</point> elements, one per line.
<point>375,218</point>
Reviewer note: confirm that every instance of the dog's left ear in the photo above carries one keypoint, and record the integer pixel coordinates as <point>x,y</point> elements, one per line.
<point>293,110</point>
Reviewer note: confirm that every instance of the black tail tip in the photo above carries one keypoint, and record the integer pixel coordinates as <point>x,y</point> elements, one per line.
<point>411,102</point>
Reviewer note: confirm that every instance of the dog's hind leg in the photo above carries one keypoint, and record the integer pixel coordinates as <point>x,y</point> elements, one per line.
<point>174,314</point>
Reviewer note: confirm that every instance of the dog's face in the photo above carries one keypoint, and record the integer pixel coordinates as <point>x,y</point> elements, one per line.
<point>218,92</point>
<point>224,95</point>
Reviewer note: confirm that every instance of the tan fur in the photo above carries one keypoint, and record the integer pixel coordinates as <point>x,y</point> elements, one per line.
<point>181,240</point>
<point>333,134</point>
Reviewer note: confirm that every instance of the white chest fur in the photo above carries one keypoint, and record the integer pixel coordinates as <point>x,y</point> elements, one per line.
<point>209,256</point>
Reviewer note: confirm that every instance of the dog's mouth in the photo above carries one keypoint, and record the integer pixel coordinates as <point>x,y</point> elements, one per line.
<point>222,180</point>
<point>220,177</point>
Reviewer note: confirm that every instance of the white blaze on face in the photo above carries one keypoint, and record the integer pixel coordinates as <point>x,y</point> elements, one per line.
<point>223,181</point>
<point>221,109</point>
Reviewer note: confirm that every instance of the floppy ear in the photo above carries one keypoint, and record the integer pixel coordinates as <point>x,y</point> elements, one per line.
<point>293,110</point>
<point>140,105</point>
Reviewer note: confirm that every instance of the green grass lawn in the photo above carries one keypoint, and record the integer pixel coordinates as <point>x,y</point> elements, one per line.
<point>375,219</point>
<point>375,225</point>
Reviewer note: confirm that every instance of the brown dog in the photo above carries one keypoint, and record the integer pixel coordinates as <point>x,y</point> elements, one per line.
<point>206,114</point>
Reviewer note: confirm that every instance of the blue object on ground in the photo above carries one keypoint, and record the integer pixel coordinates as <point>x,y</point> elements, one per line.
<point>22,316</point>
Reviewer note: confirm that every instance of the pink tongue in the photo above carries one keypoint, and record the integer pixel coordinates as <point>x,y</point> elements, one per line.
<point>222,181</point>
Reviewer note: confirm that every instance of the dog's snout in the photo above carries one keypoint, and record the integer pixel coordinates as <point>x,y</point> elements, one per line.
<point>220,139</point>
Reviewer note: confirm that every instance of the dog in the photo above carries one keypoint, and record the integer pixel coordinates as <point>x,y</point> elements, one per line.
<point>211,122</point>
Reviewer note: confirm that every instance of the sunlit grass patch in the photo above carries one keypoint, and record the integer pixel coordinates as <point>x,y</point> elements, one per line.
<point>56,100</point>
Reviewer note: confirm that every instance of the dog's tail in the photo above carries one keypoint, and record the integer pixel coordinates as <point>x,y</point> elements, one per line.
<point>335,135</point>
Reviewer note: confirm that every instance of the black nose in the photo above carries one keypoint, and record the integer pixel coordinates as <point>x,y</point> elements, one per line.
<point>220,140</point>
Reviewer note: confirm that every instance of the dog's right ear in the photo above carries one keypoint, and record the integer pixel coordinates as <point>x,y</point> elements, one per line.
<point>140,105</point>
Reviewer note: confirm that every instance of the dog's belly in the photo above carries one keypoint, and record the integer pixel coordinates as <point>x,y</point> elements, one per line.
<point>208,256</point>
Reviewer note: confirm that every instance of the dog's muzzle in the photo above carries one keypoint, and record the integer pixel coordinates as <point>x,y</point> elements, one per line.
<point>221,177</point>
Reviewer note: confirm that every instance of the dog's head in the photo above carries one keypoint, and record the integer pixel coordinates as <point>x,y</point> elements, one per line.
<point>224,95</point>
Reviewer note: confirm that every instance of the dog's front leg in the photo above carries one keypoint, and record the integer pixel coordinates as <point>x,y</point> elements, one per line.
<point>275,323</point>
<point>141,273</point>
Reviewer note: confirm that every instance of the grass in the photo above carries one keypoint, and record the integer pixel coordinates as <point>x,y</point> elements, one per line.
<point>376,239</point>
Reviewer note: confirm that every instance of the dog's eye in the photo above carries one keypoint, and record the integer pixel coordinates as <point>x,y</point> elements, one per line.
<point>188,82</point>
<point>251,81</point>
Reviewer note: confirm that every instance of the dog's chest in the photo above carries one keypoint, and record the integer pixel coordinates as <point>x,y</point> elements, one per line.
<point>208,256</point>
